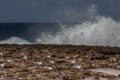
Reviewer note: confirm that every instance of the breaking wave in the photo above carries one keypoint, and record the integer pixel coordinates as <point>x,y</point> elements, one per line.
<point>96,30</point>
<point>103,31</point>
<point>14,40</point>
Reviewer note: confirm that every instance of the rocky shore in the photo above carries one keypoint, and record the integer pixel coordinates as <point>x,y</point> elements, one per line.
<point>59,62</point>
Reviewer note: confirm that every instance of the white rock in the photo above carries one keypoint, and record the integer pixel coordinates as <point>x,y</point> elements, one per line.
<point>24,57</point>
<point>8,60</point>
<point>38,63</point>
<point>52,62</point>
<point>113,59</point>
<point>2,65</point>
<point>48,56</point>
<point>1,53</point>
<point>77,66</point>
<point>1,76</point>
<point>48,68</point>
<point>72,61</point>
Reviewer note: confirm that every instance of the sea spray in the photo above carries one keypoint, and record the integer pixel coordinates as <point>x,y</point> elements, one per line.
<point>103,31</point>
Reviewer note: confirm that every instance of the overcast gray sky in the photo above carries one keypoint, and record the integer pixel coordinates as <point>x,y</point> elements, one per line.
<point>54,10</point>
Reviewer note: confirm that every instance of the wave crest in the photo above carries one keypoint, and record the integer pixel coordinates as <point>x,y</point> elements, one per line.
<point>104,31</point>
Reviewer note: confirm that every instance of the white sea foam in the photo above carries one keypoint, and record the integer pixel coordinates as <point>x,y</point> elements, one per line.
<point>97,30</point>
<point>14,40</point>
<point>109,71</point>
<point>104,31</point>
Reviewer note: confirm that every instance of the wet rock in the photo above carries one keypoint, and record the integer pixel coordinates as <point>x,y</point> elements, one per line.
<point>43,62</point>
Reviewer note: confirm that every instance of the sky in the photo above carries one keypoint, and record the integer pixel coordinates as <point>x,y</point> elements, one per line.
<point>22,11</point>
<point>31,13</point>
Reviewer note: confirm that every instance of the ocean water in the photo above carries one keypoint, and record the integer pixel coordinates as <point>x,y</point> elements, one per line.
<point>92,29</point>
<point>27,31</point>
<point>102,31</point>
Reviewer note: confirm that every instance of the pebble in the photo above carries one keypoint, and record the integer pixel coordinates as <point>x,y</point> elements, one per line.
<point>77,66</point>
<point>38,63</point>
<point>2,65</point>
<point>48,68</point>
<point>1,53</point>
<point>24,57</point>
<point>52,62</point>
<point>72,61</point>
<point>48,56</point>
<point>113,60</point>
<point>8,60</point>
<point>1,76</point>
